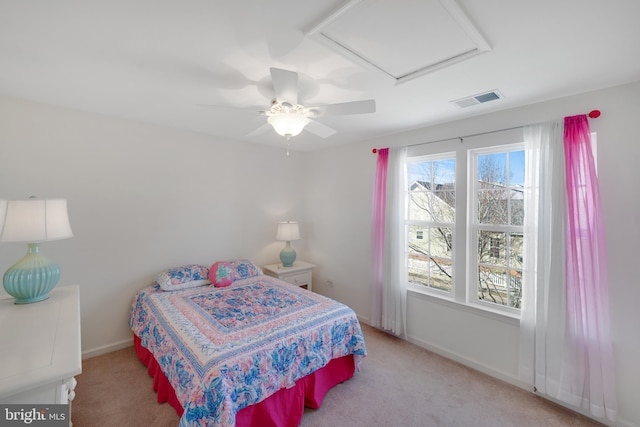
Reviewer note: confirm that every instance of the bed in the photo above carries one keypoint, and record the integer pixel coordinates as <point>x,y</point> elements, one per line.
<point>252,353</point>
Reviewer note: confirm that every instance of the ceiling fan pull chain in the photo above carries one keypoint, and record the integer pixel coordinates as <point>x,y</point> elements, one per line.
<point>288,143</point>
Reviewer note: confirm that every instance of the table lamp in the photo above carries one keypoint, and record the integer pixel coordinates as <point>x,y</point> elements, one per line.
<point>33,221</point>
<point>287,232</point>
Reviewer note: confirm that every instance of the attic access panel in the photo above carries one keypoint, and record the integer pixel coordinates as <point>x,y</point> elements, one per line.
<point>403,39</point>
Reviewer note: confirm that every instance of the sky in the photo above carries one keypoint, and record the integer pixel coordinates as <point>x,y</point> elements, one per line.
<point>442,171</point>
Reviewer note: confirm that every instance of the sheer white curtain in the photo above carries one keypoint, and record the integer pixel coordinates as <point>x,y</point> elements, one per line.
<point>565,346</point>
<point>543,302</point>
<point>389,296</point>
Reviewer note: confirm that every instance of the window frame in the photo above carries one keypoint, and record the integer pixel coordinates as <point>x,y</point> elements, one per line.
<point>409,222</point>
<point>459,297</point>
<point>474,227</point>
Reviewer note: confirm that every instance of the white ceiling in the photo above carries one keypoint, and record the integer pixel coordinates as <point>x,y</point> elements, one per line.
<point>155,60</point>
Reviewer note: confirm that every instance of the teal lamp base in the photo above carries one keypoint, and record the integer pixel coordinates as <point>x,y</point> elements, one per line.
<point>32,278</point>
<point>287,255</point>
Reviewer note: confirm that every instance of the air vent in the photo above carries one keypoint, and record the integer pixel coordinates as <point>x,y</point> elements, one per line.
<point>477,99</point>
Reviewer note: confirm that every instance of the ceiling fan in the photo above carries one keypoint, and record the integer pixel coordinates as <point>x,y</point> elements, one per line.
<point>288,118</point>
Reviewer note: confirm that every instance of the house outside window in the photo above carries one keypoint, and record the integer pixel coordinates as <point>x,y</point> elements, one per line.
<point>494,246</point>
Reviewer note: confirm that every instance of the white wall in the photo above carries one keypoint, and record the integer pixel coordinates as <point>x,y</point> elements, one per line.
<point>141,198</point>
<point>339,208</point>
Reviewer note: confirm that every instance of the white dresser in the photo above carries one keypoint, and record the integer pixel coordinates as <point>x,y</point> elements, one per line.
<point>40,348</point>
<point>298,274</point>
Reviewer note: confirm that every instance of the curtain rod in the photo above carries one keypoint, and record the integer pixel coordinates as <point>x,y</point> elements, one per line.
<point>593,114</point>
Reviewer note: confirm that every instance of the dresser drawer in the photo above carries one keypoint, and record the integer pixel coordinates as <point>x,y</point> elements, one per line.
<point>298,274</point>
<point>298,279</point>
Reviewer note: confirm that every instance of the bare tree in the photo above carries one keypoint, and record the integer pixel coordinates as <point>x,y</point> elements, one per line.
<point>434,202</point>
<point>498,205</point>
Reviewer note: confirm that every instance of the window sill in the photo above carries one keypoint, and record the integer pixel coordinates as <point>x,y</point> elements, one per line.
<point>473,309</point>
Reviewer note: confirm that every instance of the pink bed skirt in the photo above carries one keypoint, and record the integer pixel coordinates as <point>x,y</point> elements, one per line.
<point>282,409</point>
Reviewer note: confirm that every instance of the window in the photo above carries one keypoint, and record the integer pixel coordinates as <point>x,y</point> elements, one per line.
<point>464,219</point>
<point>430,217</point>
<point>497,193</point>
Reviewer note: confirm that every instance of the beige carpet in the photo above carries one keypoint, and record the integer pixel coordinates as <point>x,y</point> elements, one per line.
<point>400,384</point>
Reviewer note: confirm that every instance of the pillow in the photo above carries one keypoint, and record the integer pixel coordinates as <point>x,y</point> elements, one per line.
<point>244,269</point>
<point>222,274</point>
<point>183,277</point>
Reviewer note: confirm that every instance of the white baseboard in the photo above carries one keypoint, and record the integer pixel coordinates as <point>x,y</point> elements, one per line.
<point>87,354</point>
<point>619,423</point>
<point>362,319</point>
<point>503,376</point>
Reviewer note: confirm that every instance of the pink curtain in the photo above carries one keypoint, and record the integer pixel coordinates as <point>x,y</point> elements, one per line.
<point>588,369</point>
<point>378,232</point>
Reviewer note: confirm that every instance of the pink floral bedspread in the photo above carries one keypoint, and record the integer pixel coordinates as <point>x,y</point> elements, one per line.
<point>223,349</point>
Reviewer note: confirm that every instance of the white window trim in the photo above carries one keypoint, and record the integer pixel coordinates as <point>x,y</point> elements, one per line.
<point>488,312</point>
<point>472,228</point>
<point>459,298</point>
<point>407,222</point>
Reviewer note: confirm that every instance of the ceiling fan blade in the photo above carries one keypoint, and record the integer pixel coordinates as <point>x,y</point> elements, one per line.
<point>317,128</point>
<point>285,85</point>
<point>251,109</point>
<point>354,107</point>
<point>260,130</point>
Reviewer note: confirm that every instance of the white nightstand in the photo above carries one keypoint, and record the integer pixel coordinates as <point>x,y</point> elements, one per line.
<point>299,274</point>
<point>40,348</point>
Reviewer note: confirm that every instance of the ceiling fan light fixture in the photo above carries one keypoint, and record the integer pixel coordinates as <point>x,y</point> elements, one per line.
<point>288,124</point>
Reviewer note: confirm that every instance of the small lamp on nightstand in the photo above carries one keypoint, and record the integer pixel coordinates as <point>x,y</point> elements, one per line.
<point>33,221</point>
<point>287,232</point>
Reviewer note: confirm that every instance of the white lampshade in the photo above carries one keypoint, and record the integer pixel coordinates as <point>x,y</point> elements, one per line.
<point>288,124</point>
<point>35,220</point>
<point>288,231</point>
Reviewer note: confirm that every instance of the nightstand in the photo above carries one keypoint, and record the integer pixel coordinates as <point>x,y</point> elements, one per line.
<point>41,351</point>
<point>299,274</point>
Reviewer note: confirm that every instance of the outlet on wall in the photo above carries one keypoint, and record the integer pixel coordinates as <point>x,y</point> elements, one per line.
<point>330,283</point>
